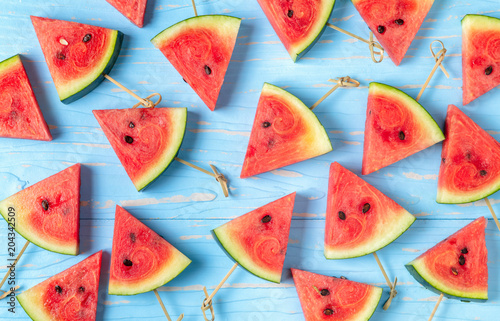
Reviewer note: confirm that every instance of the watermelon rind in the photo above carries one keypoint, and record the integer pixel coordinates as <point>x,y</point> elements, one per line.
<point>7,63</point>
<point>35,314</point>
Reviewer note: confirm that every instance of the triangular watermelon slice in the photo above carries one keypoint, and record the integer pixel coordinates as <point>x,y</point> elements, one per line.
<point>146,140</point>
<point>335,299</point>
<point>48,213</point>
<point>394,22</point>
<point>78,55</point>
<point>456,266</point>
<point>200,48</point>
<point>470,161</point>
<point>20,115</point>
<point>134,10</point>
<point>298,24</point>
<point>69,295</point>
<point>396,127</point>
<point>359,218</point>
<point>258,240</point>
<point>480,55</point>
<point>284,132</point>
<point>141,260</point>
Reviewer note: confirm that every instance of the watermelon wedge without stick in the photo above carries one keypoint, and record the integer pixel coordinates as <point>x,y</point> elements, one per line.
<point>394,22</point>
<point>20,115</point>
<point>200,48</point>
<point>69,295</point>
<point>284,132</point>
<point>396,127</point>
<point>330,298</point>
<point>78,55</point>
<point>134,10</point>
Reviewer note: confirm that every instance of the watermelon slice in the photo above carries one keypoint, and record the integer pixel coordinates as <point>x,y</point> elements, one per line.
<point>480,55</point>
<point>298,24</point>
<point>456,266</point>
<point>470,161</point>
<point>330,298</point>
<point>146,140</point>
<point>141,260</point>
<point>396,127</point>
<point>134,10</point>
<point>20,116</point>
<point>258,240</point>
<point>69,295</point>
<point>394,22</point>
<point>284,132</point>
<point>48,212</point>
<point>78,55</point>
<point>200,48</point>
<point>359,218</point>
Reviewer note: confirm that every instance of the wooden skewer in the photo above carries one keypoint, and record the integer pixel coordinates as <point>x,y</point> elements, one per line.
<point>341,82</point>
<point>6,294</point>
<point>218,176</point>
<point>392,286</point>
<point>439,59</point>
<point>207,302</point>
<point>163,307</point>
<point>14,264</point>
<point>436,307</point>
<point>194,7</point>
<point>492,212</point>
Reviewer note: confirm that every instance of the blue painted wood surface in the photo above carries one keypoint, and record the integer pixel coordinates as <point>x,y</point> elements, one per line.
<point>183,205</point>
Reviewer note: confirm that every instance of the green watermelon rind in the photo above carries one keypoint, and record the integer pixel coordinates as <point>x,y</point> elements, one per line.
<point>373,304</point>
<point>85,87</point>
<point>445,197</point>
<point>33,313</point>
<point>7,63</point>
<point>416,269</point>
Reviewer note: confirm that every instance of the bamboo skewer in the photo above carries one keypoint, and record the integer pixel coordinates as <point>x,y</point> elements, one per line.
<point>341,82</point>
<point>492,212</point>
<point>163,307</point>
<point>436,307</point>
<point>194,8</point>
<point>12,266</point>
<point>207,302</point>
<point>392,286</point>
<point>439,57</point>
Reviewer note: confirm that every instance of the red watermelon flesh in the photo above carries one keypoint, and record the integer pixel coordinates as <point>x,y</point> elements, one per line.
<point>200,48</point>
<point>67,296</point>
<point>470,161</point>
<point>258,240</point>
<point>396,127</point>
<point>284,132</point>
<point>394,22</point>
<point>456,266</point>
<point>298,24</point>
<point>134,10</point>
<point>334,299</point>
<point>48,212</point>
<point>359,218</point>
<point>141,260</point>
<point>146,140</point>
<point>480,55</point>
<point>20,115</point>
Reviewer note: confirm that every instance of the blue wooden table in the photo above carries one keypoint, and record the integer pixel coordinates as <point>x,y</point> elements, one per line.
<point>183,205</point>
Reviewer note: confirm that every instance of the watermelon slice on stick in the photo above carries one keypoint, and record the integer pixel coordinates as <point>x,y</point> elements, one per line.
<point>141,260</point>
<point>134,10</point>
<point>457,266</point>
<point>257,241</point>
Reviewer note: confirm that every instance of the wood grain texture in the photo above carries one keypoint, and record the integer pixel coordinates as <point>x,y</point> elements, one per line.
<point>183,205</point>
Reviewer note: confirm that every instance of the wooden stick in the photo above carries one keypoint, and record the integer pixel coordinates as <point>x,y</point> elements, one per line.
<point>492,212</point>
<point>436,58</point>
<point>162,305</point>
<point>194,7</point>
<point>209,299</point>
<point>14,264</point>
<point>392,286</point>
<point>218,176</point>
<point>436,307</point>
<point>205,308</point>
<point>142,101</point>
<point>383,271</point>
<point>441,54</point>
<point>341,82</point>
<point>6,294</point>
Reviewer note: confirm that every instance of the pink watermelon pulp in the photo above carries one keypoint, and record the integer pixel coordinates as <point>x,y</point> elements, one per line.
<point>359,218</point>
<point>284,132</point>
<point>480,55</point>
<point>394,22</point>
<point>20,115</point>
<point>141,260</point>
<point>78,55</point>
<point>396,127</point>
<point>330,298</point>
<point>146,140</point>
<point>258,240</point>
<point>48,212</point>
<point>470,161</point>
<point>298,24</point>
<point>200,48</point>
<point>457,266</point>
<point>69,295</point>
<point>134,10</point>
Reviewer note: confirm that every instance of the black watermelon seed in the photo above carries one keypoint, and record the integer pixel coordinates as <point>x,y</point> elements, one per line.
<point>266,219</point>
<point>454,271</point>
<point>328,311</point>
<point>87,37</point>
<point>82,289</point>
<point>366,207</point>
<point>290,13</point>
<point>266,124</point>
<point>401,135</point>
<point>132,237</point>
<point>342,215</point>
<point>483,172</point>
<point>443,160</point>
<point>467,155</point>
<point>461,260</point>
<point>399,22</point>
<point>129,139</point>
<point>324,292</point>
<point>184,80</point>
<point>131,125</point>
<point>45,205</point>
<point>488,70</point>
<point>464,250</point>
<point>127,262</point>
<point>60,56</point>
<point>343,277</point>
<point>58,289</point>
<point>381,29</point>
<point>208,71</point>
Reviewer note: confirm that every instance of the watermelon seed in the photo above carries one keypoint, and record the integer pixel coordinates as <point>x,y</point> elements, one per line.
<point>399,22</point>
<point>381,29</point>
<point>366,207</point>
<point>467,155</point>
<point>184,80</point>
<point>464,250</point>
<point>132,237</point>
<point>401,135</point>
<point>443,159</point>
<point>266,219</point>
<point>208,71</point>
<point>60,55</point>
<point>58,289</point>
<point>266,124</point>
<point>342,215</point>
<point>131,125</point>
<point>87,37</point>
<point>488,70</point>
<point>461,260</point>
<point>328,311</point>
<point>343,277</point>
<point>324,292</point>
<point>45,205</point>
<point>127,262</point>
<point>82,289</point>
<point>483,172</point>
<point>290,13</point>
<point>454,271</point>
<point>63,42</point>
<point>129,139</point>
